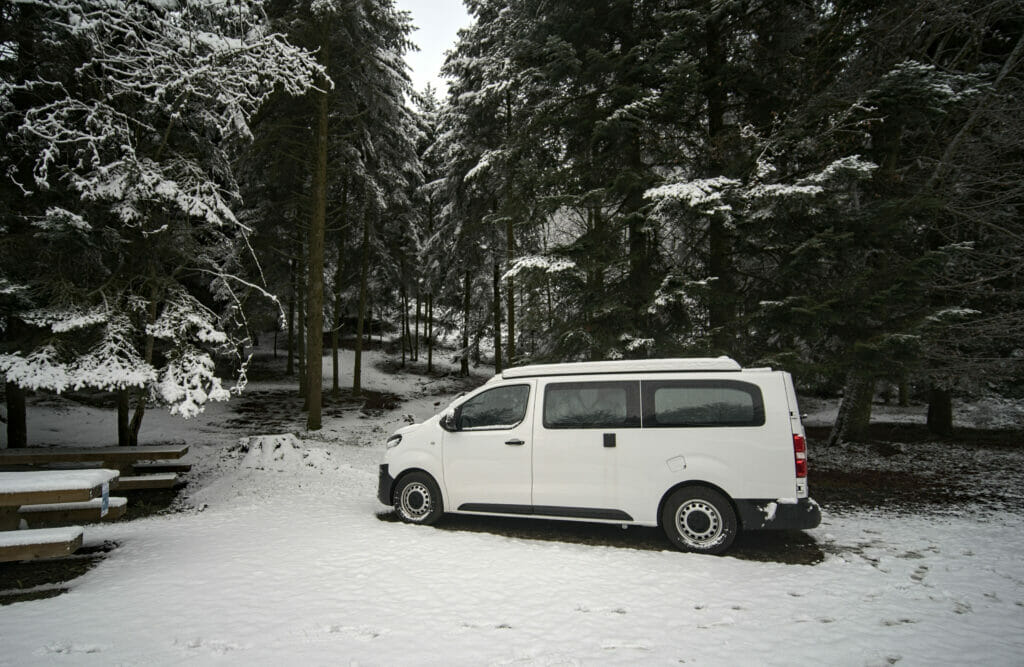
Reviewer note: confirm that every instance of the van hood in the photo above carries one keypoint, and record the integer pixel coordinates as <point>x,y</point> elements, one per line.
<point>409,428</point>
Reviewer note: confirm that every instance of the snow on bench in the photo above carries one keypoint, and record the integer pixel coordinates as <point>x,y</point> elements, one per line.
<point>39,543</point>
<point>52,486</point>
<point>52,514</point>
<point>33,487</point>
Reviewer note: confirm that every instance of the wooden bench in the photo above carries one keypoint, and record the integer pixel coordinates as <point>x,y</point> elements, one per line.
<point>122,459</point>
<point>67,514</point>
<point>53,488</point>
<point>147,468</point>
<point>164,480</point>
<point>39,543</point>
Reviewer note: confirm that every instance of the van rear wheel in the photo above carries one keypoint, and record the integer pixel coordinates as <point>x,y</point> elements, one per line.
<point>699,520</point>
<point>418,499</point>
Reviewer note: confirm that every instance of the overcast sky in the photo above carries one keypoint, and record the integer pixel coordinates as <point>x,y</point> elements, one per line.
<point>438,21</point>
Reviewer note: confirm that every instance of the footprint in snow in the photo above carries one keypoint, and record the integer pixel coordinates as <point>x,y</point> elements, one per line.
<point>918,574</point>
<point>64,648</point>
<point>615,644</point>
<point>899,621</point>
<point>364,633</point>
<point>212,645</point>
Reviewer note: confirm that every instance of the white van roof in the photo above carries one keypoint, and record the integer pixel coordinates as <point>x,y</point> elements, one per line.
<point>691,365</point>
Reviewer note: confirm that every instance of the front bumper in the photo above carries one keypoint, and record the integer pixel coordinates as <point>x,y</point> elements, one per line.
<point>803,514</point>
<point>385,485</point>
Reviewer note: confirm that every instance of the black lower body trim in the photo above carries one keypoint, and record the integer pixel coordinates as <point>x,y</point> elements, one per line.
<point>385,485</point>
<point>774,515</point>
<point>549,511</point>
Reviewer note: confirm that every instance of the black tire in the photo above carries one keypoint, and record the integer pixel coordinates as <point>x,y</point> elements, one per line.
<point>417,499</point>
<point>699,520</point>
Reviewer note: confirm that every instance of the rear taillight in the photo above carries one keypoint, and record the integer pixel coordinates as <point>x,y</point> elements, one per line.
<point>800,455</point>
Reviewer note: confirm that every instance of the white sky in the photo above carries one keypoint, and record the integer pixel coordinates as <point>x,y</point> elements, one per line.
<point>438,21</point>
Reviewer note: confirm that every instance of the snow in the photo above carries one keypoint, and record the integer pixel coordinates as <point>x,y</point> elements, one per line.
<point>20,538</point>
<point>53,480</point>
<point>283,554</point>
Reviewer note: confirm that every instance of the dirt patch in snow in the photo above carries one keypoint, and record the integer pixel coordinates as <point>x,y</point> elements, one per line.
<point>904,469</point>
<point>283,411</point>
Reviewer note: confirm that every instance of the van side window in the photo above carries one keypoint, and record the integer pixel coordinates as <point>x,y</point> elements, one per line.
<point>592,405</point>
<point>498,408</point>
<point>702,403</point>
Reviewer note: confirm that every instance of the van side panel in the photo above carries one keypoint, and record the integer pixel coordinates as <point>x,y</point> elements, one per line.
<point>746,462</point>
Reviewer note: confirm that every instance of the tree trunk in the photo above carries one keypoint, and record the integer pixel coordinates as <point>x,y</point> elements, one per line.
<point>335,362</point>
<point>17,428</point>
<point>123,409</point>
<point>854,416</point>
<point>721,309</point>
<point>364,269</point>
<point>403,323</point>
<point>940,411</point>
<point>140,402</point>
<point>904,390</point>
<point>338,275</point>
<point>315,289</point>
<point>511,291</point>
<point>464,362</point>
<point>430,333</point>
<point>497,317</point>
<point>416,330</point>
<point>290,367</point>
<point>300,336</point>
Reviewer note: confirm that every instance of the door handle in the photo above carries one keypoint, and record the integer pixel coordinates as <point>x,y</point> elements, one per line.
<point>516,441</point>
<point>609,439</point>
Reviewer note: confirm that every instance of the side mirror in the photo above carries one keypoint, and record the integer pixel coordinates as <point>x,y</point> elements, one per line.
<point>449,421</point>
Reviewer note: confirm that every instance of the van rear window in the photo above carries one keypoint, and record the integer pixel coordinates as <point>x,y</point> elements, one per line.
<point>702,403</point>
<point>592,405</point>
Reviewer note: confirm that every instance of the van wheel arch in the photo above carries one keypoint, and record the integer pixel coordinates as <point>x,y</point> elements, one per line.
<point>699,518</point>
<point>708,485</point>
<point>431,488</point>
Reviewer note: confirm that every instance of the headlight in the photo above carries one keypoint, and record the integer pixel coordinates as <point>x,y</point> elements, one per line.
<point>394,441</point>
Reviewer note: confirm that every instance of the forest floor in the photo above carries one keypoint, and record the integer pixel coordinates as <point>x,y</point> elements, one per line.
<point>284,523</point>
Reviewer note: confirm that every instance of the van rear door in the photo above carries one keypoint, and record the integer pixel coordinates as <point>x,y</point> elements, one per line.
<point>796,425</point>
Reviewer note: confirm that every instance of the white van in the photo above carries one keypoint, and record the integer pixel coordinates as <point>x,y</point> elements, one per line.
<point>701,447</point>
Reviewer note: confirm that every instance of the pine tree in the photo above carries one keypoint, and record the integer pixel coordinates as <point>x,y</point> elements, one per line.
<point>131,193</point>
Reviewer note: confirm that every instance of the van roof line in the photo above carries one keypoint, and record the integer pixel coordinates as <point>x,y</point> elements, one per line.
<point>690,365</point>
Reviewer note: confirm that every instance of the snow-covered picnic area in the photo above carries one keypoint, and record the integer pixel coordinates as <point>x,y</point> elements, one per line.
<point>279,552</point>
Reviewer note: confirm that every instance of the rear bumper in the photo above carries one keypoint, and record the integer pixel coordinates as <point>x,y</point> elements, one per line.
<point>782,514</point>
<point>385,485</point>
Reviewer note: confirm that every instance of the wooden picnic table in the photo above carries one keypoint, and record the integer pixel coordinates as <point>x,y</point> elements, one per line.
<point>18,489</point>
<point>126,460</point>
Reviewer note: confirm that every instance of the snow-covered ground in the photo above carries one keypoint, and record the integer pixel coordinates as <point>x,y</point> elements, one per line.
<point>281,555</point>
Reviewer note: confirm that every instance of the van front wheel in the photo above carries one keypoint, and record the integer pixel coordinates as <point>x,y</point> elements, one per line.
<point>699,519</point>
<point>417,499</point>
